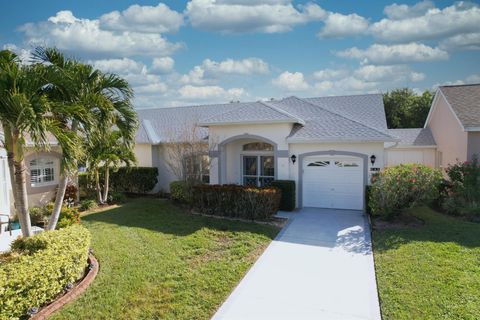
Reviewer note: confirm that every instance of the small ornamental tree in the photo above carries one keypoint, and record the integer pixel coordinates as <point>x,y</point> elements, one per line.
<point>398,188</point>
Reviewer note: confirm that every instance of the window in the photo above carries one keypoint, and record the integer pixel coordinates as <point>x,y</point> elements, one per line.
<point>42,172</point>
<point>319,164</point>
<point>198,168</point>
<point>258,171</point>
<point>257,146</point>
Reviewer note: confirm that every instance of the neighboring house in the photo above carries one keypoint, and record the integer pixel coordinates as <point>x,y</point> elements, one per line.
<point>43,170</point>
<point>454,120</point>
<point>415,146</point>
<point>330,145</point>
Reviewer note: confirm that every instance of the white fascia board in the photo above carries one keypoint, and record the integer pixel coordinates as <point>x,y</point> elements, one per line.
<point>472,129</point>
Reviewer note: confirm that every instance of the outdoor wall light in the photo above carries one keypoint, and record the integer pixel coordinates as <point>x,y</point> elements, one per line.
<point>372,159</point>
<point>294,158</point>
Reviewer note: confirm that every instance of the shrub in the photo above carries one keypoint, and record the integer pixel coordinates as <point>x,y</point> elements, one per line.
<point>287,202</point>
<point>237,201</point>
<point>70,197</point>
<point>68,217</point>
<point>86,186</point>
<point>138,180</point>
<point>461,194</point>
<point>368,206</point>
<point>181,192</point>
<point>88,204</point>
<point>116,197</point>
<point>39,269</point>
<point>39,215</point>
<point>397,188</point>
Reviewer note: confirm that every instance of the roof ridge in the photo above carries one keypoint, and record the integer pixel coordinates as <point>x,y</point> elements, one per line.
<point>342,116</point>
<point>459,85</point>
<point>286,113</point>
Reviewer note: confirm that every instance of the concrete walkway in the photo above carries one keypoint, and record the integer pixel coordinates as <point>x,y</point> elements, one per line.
<point>320,266</point>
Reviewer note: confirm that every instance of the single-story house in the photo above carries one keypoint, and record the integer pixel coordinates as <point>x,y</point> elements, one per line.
<point>43,169</point>
<point>329,145</point>
<point>454,121</point>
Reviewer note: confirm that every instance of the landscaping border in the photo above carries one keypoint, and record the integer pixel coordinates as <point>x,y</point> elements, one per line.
<point>71,295</point>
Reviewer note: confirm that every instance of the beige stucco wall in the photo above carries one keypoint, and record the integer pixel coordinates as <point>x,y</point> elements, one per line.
<point>473,145</point>
<point>143,153</point>
<point>448,133</point>
<point>231,153</point>
<point>395,156</point>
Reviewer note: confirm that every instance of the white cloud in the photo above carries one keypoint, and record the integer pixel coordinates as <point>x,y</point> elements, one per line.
<point>158,87</point>
<point>330,74</point>
<point>250,16</point>
<point>340,25</point>
<point>67,32</point>
<point>393,54</point>
<point>25,55</point>
<point>474,78</point>
<point>348,85</point>
<point>211,70</point>
<point>190,92</point>
<point>230,66</point>
<point>371,73</point>
<point>469,41</point>
<point>163,64</point>
<point>291,81</point>
<point>403,11</point>
<point>123,66</point>
<point>159,19</point>
<point>459,18</point>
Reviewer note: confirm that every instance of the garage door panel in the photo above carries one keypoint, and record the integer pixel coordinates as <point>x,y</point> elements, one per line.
<point>333,182</point>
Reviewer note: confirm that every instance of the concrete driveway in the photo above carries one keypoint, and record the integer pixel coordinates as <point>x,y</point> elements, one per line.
<point>320,266</point>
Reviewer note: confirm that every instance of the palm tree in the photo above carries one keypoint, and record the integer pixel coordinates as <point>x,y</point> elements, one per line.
<point>101,101</point>
<point>107,151</point>
<point>24,114</point>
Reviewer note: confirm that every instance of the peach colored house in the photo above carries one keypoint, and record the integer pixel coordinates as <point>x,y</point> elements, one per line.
<point>454,120</point>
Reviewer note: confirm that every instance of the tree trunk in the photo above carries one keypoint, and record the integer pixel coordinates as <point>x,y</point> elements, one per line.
<point>97,186</point>
<point>22,201</point>
<point>107,182</point>
<point>62,186</point>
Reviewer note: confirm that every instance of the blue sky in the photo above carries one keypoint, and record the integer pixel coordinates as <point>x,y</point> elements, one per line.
<point>206,51</point>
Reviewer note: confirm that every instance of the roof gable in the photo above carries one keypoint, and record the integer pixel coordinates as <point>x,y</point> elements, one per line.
<point>417,137</point>
<point>465,103</point>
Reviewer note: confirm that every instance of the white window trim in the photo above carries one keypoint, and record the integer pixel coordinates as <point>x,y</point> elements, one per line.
<point>42,167</point>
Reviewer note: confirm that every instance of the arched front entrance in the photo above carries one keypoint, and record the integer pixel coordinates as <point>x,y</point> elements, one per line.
<point>248,160</point>
<point>332,179</point>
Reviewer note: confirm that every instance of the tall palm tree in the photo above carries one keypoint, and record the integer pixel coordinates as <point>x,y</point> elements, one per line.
<point>24,114</point>
<point>102,101</point>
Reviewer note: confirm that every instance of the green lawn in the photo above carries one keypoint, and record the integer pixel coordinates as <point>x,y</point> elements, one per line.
<point>429,272</point>
<point>157,262</point>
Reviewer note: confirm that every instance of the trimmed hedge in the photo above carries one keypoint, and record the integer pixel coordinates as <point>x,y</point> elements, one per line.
<point>181,192</point>
<point>236,201</point>
<point>138,180</point>
<point>40,267</point>
<point>287,203</point>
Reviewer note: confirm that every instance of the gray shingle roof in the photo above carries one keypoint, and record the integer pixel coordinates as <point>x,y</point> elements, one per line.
<point>324,125</point>
<point>465,102</point>
<point>421,137</point>
<point>255,112</point>
<point>346,118</point>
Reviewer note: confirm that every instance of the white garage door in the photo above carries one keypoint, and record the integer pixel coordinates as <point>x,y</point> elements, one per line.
<point>333,182</point>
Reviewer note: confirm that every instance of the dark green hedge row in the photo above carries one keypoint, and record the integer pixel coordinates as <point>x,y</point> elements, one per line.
<point>236,201</point>
<point>39,269</point>
<point>181,192</point>
<point>134,180</point>
<point>139,180</point>
<point>287,202</point>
